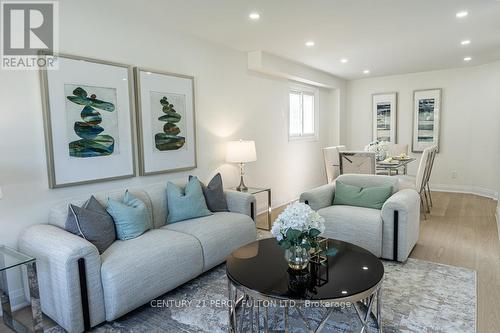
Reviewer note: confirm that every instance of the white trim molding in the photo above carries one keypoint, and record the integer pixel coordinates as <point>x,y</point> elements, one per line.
<point>477,190</point>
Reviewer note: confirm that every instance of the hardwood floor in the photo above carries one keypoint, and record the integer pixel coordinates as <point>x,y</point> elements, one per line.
<point>460,231</point>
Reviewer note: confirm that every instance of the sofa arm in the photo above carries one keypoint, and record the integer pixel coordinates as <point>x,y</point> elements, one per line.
<point>241,202</point>
<point>404,206</point>
<point>319,197</point>
<point>57,253</point>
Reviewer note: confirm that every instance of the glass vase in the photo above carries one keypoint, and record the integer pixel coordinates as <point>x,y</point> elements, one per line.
<point>297,257</point>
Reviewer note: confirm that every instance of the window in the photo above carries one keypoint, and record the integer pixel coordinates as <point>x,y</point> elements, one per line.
<point>303,117</point>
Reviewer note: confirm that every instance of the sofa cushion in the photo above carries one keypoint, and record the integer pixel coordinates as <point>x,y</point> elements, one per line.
<point>357,225</point>
<point>92,222</point>
<point>187,203</point>
<point>135,271</point>
<point>369,197</point>
<point>219,234</point>
<point>59,212</point>
<point>214,194</point>
<point>131,216</point>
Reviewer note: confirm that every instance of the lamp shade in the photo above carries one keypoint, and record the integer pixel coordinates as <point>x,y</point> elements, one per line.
<point>241,151</point>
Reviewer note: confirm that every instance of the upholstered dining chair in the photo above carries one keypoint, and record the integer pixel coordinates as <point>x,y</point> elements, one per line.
<point>357,162</point>
<point>332,162</point>
<point>420,182</point>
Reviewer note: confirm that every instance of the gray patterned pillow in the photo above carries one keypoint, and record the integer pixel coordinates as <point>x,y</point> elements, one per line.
<point>214,194</point>
<point>92,222</point>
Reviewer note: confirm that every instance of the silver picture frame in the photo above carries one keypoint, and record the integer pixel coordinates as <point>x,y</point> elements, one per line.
<point>140,122</point>
<point>392,99</point>
<point>436,94</point>
<point>47,120</point>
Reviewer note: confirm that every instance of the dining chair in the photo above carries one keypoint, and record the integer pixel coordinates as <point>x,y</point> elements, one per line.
<point>432,156</point>
<point>332,162</point>
<point>396,149</point>
<point>358,162</point>
<point>420,181</point>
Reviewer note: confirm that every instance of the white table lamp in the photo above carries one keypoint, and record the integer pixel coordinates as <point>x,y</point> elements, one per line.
<point>241,152</point>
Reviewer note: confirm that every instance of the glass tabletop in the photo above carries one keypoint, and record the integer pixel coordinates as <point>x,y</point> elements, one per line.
<point>11,258</point>
<point>254,190</point>
<point>260,266</point>
<point>398,163</point>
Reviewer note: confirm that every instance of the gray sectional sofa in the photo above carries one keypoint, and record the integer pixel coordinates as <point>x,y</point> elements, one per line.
<point>80,289</point>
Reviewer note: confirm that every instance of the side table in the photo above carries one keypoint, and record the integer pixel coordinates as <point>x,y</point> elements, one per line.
<point>10,258</point>
<point>254,191</point>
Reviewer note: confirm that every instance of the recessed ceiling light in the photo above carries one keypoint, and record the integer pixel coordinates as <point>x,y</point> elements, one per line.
<point>365,268</point>
<point>149,73</point>
<point>467,59</point>
<point>344,292</point>
<point>310,43</point>
<point>344,60</point>
<point>462,14</point>
<point>254,16</point>
<point>465,42</point>
<point>124,79</point>
<point>366,71</point>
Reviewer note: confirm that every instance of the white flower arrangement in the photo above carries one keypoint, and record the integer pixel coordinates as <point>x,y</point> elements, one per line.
<point>298,225</point>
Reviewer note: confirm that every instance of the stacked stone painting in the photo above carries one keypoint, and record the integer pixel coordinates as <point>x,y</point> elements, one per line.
<point>168,120</point>
<point>92,124</point>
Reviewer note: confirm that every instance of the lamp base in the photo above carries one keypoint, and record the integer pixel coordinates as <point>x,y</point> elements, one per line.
<point>242,187</point>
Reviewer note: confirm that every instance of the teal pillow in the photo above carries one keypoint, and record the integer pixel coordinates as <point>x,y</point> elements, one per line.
<point>369,197</point>
<point>131,216</point>
<point>187,204</point>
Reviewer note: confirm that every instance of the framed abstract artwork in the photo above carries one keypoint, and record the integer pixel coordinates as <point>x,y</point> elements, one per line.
<point>384,115</point>
<point>88,119</point>
<point>426,119</point>
<point>165,121</point>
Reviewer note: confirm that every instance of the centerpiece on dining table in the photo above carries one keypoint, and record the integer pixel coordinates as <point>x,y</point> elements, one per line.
<point>297,229</point>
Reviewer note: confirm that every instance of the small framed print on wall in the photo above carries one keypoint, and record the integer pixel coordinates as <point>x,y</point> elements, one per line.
<point>165,121</point>
<point>426,119</point>
<point>384,115</point>
<point>88,118</point>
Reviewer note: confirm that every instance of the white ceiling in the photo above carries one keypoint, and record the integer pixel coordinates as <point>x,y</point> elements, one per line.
<point>385,36</point>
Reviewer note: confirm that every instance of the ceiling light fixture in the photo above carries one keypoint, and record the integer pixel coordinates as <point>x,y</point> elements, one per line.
<point>310,43</point>
<point>465,42</point>
<point>462,14</point>
<point>467,59</point>
<point>366,71</point>
<point>254,16</point>
<point>344,60</point>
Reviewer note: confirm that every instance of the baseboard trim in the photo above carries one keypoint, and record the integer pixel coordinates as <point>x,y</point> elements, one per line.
<point>477,190</point>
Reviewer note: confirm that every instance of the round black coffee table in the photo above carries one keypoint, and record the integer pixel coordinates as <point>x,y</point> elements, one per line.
<point>259,272</point>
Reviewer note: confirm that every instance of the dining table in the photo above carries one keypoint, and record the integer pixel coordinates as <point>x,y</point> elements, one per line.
<point>393,165</point>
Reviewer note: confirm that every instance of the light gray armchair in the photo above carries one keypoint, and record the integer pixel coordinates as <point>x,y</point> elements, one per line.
<point>389,233</point>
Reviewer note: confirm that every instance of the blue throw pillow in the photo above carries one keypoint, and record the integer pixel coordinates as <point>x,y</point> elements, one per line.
<point>131,216</point>
<point>187,204</point>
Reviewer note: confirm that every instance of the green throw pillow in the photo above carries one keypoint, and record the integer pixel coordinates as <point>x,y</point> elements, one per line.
<point>369,197</point>
<point>131,216</point>
<point>187,204</point>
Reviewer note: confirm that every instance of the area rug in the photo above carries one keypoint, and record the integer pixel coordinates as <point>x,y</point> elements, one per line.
<point>418,296</point>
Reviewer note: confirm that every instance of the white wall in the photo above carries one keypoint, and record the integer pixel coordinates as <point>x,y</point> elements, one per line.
<point>231,103</point>
<point>470,124</point>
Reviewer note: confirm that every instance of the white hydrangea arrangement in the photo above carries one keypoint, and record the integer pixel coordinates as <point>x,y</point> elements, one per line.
<point>298,225</point>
